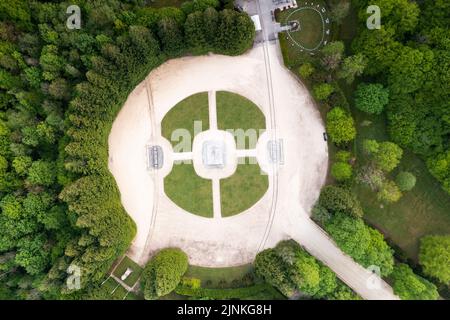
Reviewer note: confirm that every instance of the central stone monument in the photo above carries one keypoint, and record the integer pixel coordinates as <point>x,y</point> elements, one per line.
<point>214,154</point>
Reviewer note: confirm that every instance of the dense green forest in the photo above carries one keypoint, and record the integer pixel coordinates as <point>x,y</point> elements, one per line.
<point>60,90</point>
<point>410,55</point>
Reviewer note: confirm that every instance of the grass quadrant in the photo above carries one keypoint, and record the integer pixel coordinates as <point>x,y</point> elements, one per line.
<point>183,115</point>
<point>243,189</point>
<point>189,191</point>
<point>236,112</point>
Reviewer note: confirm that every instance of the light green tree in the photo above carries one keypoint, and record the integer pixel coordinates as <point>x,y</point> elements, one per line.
<point>340,126</point>
<point>434,256</point>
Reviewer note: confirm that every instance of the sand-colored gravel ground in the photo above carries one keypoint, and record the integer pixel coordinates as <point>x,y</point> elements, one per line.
<point>293,186</point>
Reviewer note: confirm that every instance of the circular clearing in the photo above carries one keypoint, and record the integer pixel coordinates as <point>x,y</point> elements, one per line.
<point>308,26</point>
<point>235,240</point>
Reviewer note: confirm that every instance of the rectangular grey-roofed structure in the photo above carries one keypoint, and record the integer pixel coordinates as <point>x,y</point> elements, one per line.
<point>155,157</point>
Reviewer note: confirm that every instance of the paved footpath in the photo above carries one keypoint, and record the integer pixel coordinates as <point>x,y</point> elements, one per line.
<point>368,285</point>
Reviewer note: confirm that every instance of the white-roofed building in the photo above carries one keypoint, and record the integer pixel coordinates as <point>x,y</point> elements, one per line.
<point>257,22</point>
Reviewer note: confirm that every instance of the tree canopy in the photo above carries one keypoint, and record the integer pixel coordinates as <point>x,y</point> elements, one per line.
<point>340,126</point>
<point>163,273</point>
<point>371,98</point>
<point>434,256</point>
<point>290,269</point>
<point>409,286</point>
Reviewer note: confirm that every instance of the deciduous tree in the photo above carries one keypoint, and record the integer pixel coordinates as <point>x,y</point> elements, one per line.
<point>340,126</point>
<point>434,256</point>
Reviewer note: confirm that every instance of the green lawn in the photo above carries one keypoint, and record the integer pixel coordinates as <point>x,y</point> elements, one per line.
<point>236,112</point>
<point>189,191</point>
<point>216,281</point>
<point>422,211</point>
<point>310,33</point>
<point>183,115</point>
<point>128,263</point>
<point>243,189</point>
<point>219,277</point>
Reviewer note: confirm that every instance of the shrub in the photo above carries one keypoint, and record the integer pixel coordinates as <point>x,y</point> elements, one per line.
<point>163,273</point>
<point>343,292</point>
<point>371,98</point>
<point>364,244</point>
<point>221,294</point>
<point>332,54</point>
<point>320,214</point>
<point>306,70</point>
<point>389,192</point>
<point>289,268</point>
<point>338,199</point>
<point>351,235</point>
<point>439,167</point>
<point>322,91</point>
<point>370,176</point>
<point>405,181</point>
<point>409,286</point>
<point>340,126</point>
<point>370,147</point>
<point>270,267</point>
<point>386,155</point>
<point>352,67</point>
<point>341,171</point>
<point>434,256</point>
<point>343,156</point>
<point>192,283</point>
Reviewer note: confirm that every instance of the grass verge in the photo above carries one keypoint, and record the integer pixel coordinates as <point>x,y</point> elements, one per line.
<point>220,277</point>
